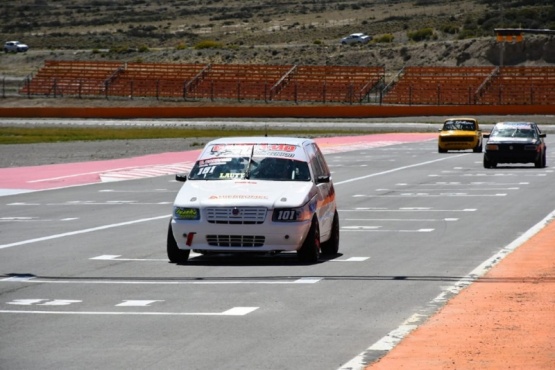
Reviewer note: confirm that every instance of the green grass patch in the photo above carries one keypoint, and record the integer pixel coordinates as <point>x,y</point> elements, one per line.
<point>50,134</point>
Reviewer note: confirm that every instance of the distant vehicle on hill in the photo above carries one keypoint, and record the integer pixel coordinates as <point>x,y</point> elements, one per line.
<point>15,47</point>
<point>356,38</point>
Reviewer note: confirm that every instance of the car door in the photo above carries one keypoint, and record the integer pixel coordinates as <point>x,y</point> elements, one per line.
<point>325,190</point>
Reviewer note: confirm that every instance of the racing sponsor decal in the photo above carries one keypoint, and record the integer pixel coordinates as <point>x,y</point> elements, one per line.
<point>238,196</point>
<point>231,176</point>
<point>212,161</point>
<point>222,151</point>
<point>277,150</point>
<point>230,150</point>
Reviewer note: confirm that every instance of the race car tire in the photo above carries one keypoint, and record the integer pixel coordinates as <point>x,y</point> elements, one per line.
<point>309,252</point>
<point>439,150</point>
<point>331,246</point>
<point>541,162</point>
<point>175,255</point>
<point>478,148</point>
<point>488,163</point>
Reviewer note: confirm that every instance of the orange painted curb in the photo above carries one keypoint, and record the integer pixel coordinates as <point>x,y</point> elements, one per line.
<point>504,320</point>
<point>324,111</point>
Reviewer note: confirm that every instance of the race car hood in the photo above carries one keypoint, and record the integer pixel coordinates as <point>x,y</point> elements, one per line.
<point>246,193</point>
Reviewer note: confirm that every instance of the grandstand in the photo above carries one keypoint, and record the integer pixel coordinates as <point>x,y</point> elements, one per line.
<point>69,78</point>
<point>520,85</point>
<point>433,85</point>
<point>238,81</point>
<point>344,84</point>
<point>159,80</point>
<point>199,81</point>
<point>436,85</point>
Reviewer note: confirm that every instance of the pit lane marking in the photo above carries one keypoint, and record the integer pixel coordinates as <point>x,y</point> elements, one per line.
<point>396,169</point>
<point>114,257</point>
<point>91,203</point>
<point>454,189</point>
<point>352,259</point>
<point>235,311</point>
<point>402,219</point>
<point>82,231</point>
<point>407,209</point>
<point>428,195</point>
<point>192,281</point>
<point>378,229</point>
<point>493,174</point>
<point>34,219</point>
<point>451,183</point>
<point>137,191</point>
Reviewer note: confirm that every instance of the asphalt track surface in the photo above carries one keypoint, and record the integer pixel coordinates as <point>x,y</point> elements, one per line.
<point>499,316</point>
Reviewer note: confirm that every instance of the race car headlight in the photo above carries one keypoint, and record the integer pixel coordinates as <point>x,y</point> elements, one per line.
<point>186,213</point>
<point>303,213</point>
<point>492,147</point>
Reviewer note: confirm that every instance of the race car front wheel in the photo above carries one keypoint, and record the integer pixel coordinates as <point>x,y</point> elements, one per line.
<point>175,255</point>
<point>331,246</point>
<point>309,252</point>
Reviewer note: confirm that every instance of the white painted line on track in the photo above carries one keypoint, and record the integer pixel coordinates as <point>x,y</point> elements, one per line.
<point>407,209</point>
<point>428,195</point>
<point>136,191</point>
<point>397,169</point>
<point>194,281</point>
<point>235,311</point>
<point>402,219</point>
<point>93,203</point>
<point>78,232</point>
<point>352,259</point>
<point>138,303</point>
<point>455,189</point>
<point>377,229</point>
<point>111,257</point>
<point>35,219</point>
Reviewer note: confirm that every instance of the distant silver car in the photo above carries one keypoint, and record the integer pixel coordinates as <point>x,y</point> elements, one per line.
<point>356,38</point>
<point>15,47</point>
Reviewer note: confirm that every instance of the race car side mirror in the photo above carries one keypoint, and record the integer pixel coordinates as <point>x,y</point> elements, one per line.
<point>323,179</point>
<point>181,177</point>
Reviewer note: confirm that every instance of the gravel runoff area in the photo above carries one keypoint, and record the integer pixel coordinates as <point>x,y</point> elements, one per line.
<point>22,155</point>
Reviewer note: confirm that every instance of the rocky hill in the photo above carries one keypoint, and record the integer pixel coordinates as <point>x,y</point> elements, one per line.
<point>425,32</point>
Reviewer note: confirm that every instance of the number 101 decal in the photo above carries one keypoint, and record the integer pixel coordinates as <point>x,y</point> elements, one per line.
<point>286,215</point>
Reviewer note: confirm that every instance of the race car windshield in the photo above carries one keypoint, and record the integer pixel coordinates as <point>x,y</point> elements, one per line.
<point>257,168</point>
<point>460,125</point>
<point>226,168</point>
<point>231,161</point>
<point>278,169</point>
<point>518,131</point>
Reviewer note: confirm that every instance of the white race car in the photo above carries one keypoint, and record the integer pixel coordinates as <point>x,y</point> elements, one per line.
<point>256,194</point>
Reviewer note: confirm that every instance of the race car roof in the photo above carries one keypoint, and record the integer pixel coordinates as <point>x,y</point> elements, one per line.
<point>258,146</point>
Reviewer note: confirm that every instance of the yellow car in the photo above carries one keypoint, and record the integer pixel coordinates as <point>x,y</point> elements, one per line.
<point>460,134</point>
